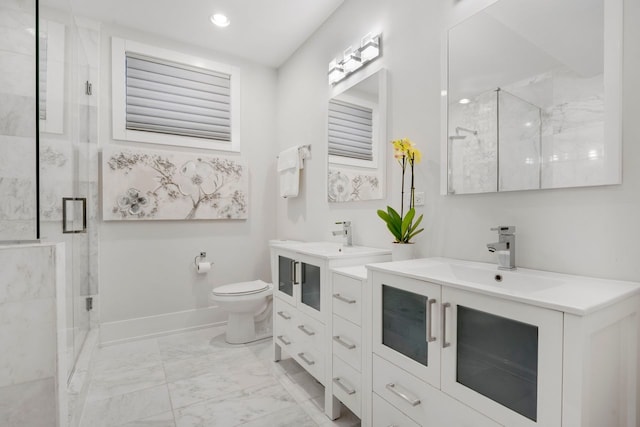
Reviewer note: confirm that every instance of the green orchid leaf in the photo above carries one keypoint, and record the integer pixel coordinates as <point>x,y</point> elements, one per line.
<point>406,222</point>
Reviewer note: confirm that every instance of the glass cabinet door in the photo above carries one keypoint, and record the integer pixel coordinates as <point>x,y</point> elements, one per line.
<point>498,357</point>
<point>405,324</point>
<point>286,271</point>
<point>310,285</point>
<point>503,358</point>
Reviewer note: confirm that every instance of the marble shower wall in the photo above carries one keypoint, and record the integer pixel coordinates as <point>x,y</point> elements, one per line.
<point>17,120</point>
<point>31,333</point>
<point>472,145</point>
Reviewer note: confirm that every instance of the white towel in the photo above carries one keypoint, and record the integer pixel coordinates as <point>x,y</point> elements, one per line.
<point>289,171</point>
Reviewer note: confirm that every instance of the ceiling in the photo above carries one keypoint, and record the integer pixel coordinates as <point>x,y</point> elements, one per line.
<point>264,31</point>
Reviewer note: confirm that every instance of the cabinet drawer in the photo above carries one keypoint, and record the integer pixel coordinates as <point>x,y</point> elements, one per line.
<point>420,401</point>
<point>309,330</point>
<point>347,385</point>
<point>385,415</point>
<point>347,342</point>
<point>311,359</point>
<point>283,316</point>
<point>347,298</point>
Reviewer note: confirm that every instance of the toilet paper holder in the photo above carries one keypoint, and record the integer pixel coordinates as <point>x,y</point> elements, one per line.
<point>198,258</point>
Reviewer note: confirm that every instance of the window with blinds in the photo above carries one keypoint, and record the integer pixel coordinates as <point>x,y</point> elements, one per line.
<point>172,98</point>
<point>350,130</point>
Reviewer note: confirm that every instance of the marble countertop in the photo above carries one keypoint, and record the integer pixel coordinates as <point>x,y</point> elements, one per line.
<point>563,292</point>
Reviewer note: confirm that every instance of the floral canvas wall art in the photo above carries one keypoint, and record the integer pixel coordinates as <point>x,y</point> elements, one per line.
<point>161,185</point>
<point>348,185</point>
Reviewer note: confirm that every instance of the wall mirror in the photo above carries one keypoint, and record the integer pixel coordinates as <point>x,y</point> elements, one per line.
<point>534,96</point>
<point>357,122</point>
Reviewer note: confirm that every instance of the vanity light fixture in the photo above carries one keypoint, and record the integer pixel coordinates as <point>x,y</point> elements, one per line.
<point>336,72</point>
<point>369,47</point>
<point>354,59</point>
<point>220,20</point>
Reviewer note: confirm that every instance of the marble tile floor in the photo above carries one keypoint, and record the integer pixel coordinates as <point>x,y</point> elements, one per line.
<point>196,379</point>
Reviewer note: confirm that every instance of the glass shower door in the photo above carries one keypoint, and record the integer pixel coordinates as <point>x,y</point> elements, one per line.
<point>68,166</point>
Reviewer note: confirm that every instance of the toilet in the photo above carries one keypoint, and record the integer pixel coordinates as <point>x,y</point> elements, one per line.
<point>250,307</point>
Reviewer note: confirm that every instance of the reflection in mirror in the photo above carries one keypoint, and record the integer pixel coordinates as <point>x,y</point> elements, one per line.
<point>530,109</point>
<point>356,134</point>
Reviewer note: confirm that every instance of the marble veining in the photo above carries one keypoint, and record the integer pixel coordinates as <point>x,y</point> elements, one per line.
<point>207,383</point>
<point>28,404</point>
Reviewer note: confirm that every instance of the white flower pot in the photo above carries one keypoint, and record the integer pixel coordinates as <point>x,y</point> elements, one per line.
<point>402,251</point>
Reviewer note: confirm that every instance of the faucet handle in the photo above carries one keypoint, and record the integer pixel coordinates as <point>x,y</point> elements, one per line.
<point>504,229</point>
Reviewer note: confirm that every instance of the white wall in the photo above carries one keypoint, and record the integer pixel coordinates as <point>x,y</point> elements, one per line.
<point>147,267</point>
<point>587,231</point>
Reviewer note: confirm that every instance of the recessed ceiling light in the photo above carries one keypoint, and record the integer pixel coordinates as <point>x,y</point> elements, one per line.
<point>464,101</point>
<point>220,20</point>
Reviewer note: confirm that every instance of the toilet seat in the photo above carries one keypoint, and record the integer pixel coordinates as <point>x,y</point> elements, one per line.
<point>242,288</point>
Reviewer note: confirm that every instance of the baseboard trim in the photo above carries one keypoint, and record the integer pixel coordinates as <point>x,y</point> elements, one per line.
<point>161,325</point>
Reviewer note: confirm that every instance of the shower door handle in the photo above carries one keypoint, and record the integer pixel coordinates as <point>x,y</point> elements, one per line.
<point>67,221</point>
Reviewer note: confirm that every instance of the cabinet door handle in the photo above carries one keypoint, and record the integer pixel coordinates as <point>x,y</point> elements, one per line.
<point>338,382</point>
<point>305,330</point>
<point>284,340</point>
<point>294,275</point>
<point>413,401</point>
<point>284,315</point>
<point>445,344</point>
<point>344,299</point>
<point>430,337</point>
<point>307,361</point>
<point>340,341</point>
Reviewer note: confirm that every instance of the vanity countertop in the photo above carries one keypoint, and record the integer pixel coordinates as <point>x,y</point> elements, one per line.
<point>329,250</point>
<point>358,272</point>
<point>563,292</point>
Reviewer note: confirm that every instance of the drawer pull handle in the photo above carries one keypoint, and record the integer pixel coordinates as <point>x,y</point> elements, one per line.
<point>338,382</point>
<point>344,299</point>
<point>284,315</point>
<point>445,344</point>
<point>284,340</point>
<point>413,401</point>
<point>430,337</point>
<point>342,342</point>
<point>305,330</point>
<point>307,361</point>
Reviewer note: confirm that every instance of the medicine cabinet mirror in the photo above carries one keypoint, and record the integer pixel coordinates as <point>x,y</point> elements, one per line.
<point>533,97</point>
<point>357,122</point>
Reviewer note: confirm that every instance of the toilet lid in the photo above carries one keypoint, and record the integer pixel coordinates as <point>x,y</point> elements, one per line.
<point>242,288</point>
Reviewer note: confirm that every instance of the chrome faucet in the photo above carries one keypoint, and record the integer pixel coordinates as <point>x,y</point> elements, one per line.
<point>346,232</point>
<point>506,242</point>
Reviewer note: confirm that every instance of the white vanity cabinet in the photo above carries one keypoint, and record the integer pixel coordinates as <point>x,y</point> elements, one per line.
<point>303,319</point>
<point>348,291</point>
<point>558,352</point>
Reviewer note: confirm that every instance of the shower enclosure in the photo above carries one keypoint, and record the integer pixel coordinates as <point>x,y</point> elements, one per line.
<point>494,144</point>
<point>48,160</point>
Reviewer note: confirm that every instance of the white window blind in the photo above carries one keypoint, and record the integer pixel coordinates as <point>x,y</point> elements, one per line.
<point>178,99</point>
<point>350,130</point>
<point>42,77</point>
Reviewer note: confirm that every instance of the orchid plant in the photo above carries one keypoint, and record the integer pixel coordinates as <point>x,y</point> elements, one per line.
<point>402,227</point>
